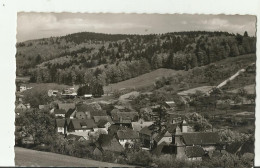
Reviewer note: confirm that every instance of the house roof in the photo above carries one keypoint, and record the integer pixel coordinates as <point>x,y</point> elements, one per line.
<point>109,143</point>
<point>20,106</point>
<point>146,131</point>
<point>60,122</point>
<point>201,138</point>
<point>66,106</point>
<point>102,123</point>
<point>137,126</point>
<point>59,111</point>
<point>105,118</point>
<point>164,133</point>
<point>69,113</point>
<point>98,113</point>
<point>194,151</point>
<point>78,123</point>
<point>124,117</point>
<point>127,134</point>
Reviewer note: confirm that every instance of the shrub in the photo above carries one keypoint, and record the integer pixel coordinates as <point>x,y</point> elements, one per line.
<point>142,158</point>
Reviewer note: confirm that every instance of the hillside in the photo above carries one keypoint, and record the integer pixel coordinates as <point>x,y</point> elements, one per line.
<point>144,80</point>
<point>27,158</point>
<point>81,57</point>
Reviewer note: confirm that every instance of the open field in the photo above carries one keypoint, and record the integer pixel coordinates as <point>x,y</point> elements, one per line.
<point>144,80</point>
<point>27,157</point>
<point>250,89</point>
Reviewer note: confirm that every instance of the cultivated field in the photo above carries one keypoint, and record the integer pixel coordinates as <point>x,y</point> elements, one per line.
<point>27,157</point>
<point>144,80</point>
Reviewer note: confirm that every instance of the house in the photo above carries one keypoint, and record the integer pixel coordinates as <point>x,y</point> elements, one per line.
<point>60,125</point>
<point>71,113</point>
<point>69,93</point>
<point>89,111</point>
<point>103,117</point>
<point>53,93</point>
<point>44,107</point>
<point>137,126</point>
<point>87,96</point>
<point>81,125</point>
<point>59,113</point>
<point>22,88</point>
<point>170,105</point>
<point>124,118</point>
<point>103,122</point>
<point>164,136</point>
<point>146,135</point>
<point>109,143</point>
<point>127,137</point>
<point>21,106</point>
<point>104,125</point>
<point>194,153</point>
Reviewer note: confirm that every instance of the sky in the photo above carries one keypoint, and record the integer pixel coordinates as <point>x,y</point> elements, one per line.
<point>32,25</point>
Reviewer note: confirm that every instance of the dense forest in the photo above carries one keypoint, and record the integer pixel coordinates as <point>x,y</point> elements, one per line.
<point>81,57</point>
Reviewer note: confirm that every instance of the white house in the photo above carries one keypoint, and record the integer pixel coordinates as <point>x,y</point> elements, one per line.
<point>127,137</point>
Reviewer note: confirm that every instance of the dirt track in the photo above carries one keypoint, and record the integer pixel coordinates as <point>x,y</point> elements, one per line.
<point>27,157</point>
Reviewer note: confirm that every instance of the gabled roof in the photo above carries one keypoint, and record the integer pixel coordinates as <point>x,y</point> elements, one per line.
<point>59,111</point>
<point>164,133</point>
<point>194,151</point>
<point>137,126</point>
<point>201,138</point>
<point>146,131</point>
<point>102,123</point>
<point>21,106</point>
<point>127,134</point>
<point>66,106</point>
<point>124,117</point>
<point>79,123</point>
<point>60,122</point>
<point>69,113</point>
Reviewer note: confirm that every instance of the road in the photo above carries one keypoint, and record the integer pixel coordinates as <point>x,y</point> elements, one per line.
<point>27,157</point>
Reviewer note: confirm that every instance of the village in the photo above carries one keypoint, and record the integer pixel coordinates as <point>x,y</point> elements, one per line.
<point>112,124</point>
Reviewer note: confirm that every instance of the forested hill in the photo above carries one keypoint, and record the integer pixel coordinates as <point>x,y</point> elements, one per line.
<point>81,57</point>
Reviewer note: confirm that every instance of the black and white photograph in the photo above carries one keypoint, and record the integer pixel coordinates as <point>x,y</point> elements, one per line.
<point>135,90</point>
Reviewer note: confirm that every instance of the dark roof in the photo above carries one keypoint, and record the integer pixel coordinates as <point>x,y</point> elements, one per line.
<point>233,147</point>
<point>109,143</point>
<point>124,117</point>
<point>146,131</point>
<point>60,122</point>
<point>201,138</point>
<point>194,151</point>
<point>66,106</point>
<point>164,133</point>
<point>101,123</point>
<point>69,113</point>
<point>104,118</point>
<point>127,134</point>
<point>171,128</point>
<point>78,123</point>
<point>247,147</point>
<point>98,113</point>
<point>59,111</point>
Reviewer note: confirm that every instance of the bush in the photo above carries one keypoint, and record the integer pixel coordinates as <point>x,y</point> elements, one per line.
<point>141,158</point>
<point>248,159</point>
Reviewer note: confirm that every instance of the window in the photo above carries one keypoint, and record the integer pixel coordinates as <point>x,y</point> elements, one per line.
<point>170,139</point>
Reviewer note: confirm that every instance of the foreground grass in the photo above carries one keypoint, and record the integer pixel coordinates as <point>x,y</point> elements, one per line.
<point>28,157</point>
